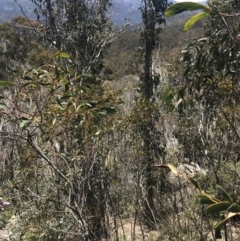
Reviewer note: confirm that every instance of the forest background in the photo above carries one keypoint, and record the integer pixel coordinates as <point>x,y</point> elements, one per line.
<point>91,110</point>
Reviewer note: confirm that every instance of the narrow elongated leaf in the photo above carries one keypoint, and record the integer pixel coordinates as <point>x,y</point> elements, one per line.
<point>102,112</point>
<point>206,199</point>
<point>182,7</point>
<point>195,18</point>
<point>59,102</point>
<point>87,76</point>
<point>195,183</point>
<point>218,207</point>
<point>222,223</point>
<point>24,123</point>
<point>4,83</point>
<point>62,54</point>
<point>168,95</point>
<point>27,78</point>
<point>66,97</point>
<point>28,83</point>
<point>234,208</point>
<point>171,167</point>
<point>108,110</point>
<point>224,194</point>
<point>3,106</point>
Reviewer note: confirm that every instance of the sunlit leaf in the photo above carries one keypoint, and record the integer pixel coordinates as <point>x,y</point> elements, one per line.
<point>102,112</point>
<point>61,54</point>
<point>195,18</point>
<point>4,83</point>
<point>171,167</point>
<point>220,225</point>
<point>24,123</point>
<point>106,110</point>
<point>28,83</point>
<point>88,104</point>
<point>35,71</point>
<point>87,76</point>
<point>3,106</point>
<point>182,7</point>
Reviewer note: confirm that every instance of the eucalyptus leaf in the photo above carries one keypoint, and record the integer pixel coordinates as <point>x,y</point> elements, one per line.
<point>234,208</point>
<point>4,83</point>
<point>182,7</point>
<point>224,194</point>
<point>195,183</point>
<point>220,225</point>
<point>171,167</point>
<point>61,54</point>
<point>59,102</point>
<point>218,207</point>
<point>24,123</point>
<point>206,199</point>
<point>195,18</point>
<point>3,106</point>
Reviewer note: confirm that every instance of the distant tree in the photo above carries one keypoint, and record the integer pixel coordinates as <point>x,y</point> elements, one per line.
<point>81,28</point>
<point>152,16</point>
<point>20,47</point>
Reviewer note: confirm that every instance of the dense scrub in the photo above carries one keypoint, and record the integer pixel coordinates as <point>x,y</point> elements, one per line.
<point>81,154</point>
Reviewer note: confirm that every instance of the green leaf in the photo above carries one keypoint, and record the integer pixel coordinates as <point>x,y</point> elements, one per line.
<point>87,76</point>
<point>195,183</point>
<point>109,110</point>
<point>88,104</point>
<point>102,112</point>
<point>66,97</point>
<point>168,96</point>
<point>54,121</point>
<point>6,83</point>
<point>27,78</point>
<point>222,223</point>
<point>218,207</point>
<point>35,71</point>
<point>28,83</point>
<point>195,18</point>
<point>235,208</point>
<point>224,194</point>
<point>61,54</point>
<point>182,7</point>
<point>59,102</point>
<point>171,167</point>
<point>206,199</point>
<point>106,110</point>
<point>24,123</point>
<point>3,106</point>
